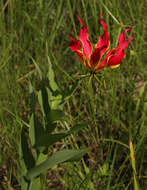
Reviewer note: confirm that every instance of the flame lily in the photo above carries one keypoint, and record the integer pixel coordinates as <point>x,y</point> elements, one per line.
<point>92,58</point>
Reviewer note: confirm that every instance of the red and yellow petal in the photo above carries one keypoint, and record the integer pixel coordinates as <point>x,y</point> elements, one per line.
<point>115,60</point>
<point>75,45</point>
<point>84,39</point>
<point>83,48</point>
<point>96,56</point>
<point>122,36</point>
<point>103,63</point>
<point>115,56</point>
<point>104,39</point>
<point>101,46</point>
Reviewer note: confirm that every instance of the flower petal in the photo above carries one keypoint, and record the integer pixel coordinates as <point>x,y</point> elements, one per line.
<point>115,60</point>
<point>114,57</point>
<point>96,55</point>
<point>122,36</point>
<point>102,45</point>
<point>103,64</point>
<point>83,37</point>
<point>104,39</point>
<point>75,46</point>
<point>119,54</point>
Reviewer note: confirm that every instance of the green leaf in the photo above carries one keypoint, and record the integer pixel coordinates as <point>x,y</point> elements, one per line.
<point>35,184</point>
<point>23,183</point>
<point>36,129</point>
<point>57,115</point>
<point>44,100</point>
<point>22,168</point>
<point>51,77</point>
<point>54,94</point>
<point>52,117</point>
<point>50,96</point>
<point>41,158</point>
<point>55,99</point>
<point>55,159</point>
<point>76,128</point>
<point>26,151</point>
<point>32,98</point>
<point>50,127</point>
<point>47,140</point>
<point>32,130</point>
<point>37,68</point>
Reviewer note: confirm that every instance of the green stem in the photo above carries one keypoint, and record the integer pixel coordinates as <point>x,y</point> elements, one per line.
<point>92,107</point>
<point>43,181</point>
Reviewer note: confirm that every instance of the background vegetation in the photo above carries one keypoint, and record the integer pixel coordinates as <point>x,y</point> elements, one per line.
<point>33,30</point>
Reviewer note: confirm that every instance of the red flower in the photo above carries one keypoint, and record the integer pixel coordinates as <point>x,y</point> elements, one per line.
<point>92,58</point>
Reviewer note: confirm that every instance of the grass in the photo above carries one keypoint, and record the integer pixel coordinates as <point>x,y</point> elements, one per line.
<point>116,111</point>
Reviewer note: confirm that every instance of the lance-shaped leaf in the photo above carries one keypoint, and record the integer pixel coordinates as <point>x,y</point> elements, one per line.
<point>35,184</point>
<point>35,130</point>
<point>53,117</point>
<point>37,68</point>
<point>22,168</point>
<point>47,139</point>
<point>77,127</point>
<point>44,100</point>
<point>26,151</point>
<point>54,92</point>
<point>32,98</point>
<point>56,158</point>
<point>57,115</point>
